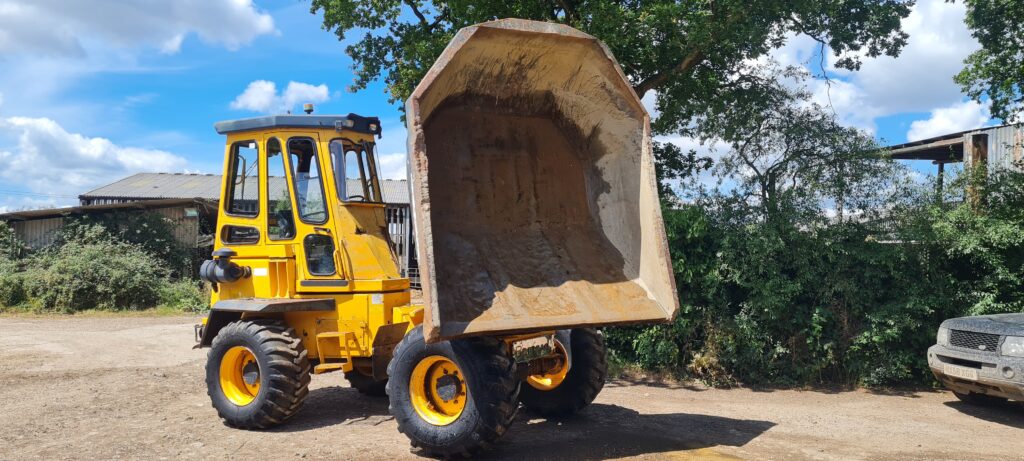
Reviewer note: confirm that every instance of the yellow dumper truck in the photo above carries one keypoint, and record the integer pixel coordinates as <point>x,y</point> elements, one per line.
<point>537,220</point>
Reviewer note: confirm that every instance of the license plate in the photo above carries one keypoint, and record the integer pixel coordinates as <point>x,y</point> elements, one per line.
<point>533,348</point>
<point>960,372</point>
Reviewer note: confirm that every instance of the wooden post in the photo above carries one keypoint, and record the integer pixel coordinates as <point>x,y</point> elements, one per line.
<point>978,153</point>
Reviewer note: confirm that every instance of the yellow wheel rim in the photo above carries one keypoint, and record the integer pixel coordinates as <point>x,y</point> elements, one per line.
<point>553,377</point>
<point>239,375</point>
<point>438,391</point>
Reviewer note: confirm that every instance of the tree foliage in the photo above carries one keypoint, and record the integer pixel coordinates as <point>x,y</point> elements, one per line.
<point>700,56</point>
<point>996,71</point>
<point>816,261</point>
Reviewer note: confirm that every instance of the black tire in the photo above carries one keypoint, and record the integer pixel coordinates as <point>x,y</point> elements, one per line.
<point>365,384</point>
<point>283,373</point>
<point>490,407</point>
<point>581,385</point>
<point>979,399</point>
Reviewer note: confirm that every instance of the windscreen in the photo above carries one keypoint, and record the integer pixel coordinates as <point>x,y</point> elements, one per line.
<point>355,171</point>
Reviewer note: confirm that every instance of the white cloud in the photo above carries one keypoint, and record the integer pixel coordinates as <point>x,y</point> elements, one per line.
<point>849,101</point>
<point>799,50</point>
<point>298,93</point>
<point>921,77</point>
<point>60,27</point>
<point>48,160</point>
<point>262,96</point>
<point>393,166</point>
<point>957,117</point>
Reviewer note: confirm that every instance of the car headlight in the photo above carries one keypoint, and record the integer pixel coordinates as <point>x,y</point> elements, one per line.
<point>942,337</point>
<point>1013,346</point>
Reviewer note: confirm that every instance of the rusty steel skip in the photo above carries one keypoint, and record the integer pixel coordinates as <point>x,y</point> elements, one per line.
<point>533,186</point>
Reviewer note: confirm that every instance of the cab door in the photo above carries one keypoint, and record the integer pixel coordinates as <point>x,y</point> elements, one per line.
<point>314,239</point>
<point>239,223</point>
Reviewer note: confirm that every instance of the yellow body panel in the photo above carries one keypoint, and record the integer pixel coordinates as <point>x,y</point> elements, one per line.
<point>367,289</point>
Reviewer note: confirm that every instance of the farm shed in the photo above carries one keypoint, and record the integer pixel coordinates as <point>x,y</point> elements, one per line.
<point>38,228</point>
<point>998,147</point>
<point>158,186</point>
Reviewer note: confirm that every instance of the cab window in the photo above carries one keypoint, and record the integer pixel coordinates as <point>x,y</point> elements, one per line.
<point>355,171</point>
<point>280,218</point>
<point>306,180</point>
<point>243,194</point>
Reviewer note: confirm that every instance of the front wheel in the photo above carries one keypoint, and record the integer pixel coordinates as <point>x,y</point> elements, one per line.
<point>257,373</point>
<point>452,398</point>
<point>575,382</point>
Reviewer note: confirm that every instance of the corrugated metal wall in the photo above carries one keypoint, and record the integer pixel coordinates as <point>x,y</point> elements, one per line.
<point>1005,147</point>
<point>39,233</point>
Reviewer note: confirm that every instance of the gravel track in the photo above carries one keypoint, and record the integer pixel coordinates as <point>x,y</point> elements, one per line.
<point>131,387</point>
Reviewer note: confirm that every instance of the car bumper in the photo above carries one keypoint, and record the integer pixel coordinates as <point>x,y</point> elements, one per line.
<point>996,375</point>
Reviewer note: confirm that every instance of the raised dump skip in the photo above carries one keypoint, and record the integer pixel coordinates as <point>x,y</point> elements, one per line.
<point>534,186</point>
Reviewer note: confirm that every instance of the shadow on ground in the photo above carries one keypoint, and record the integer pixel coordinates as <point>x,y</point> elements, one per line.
<point>1009,414</point>
<point>600,431</point>
<point>329,406</point>
<point>604,431</point>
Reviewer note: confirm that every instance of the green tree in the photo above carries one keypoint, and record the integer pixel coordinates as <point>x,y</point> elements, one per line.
<point>796,157</point>
<point>996,71</point>
<point>700,56</point>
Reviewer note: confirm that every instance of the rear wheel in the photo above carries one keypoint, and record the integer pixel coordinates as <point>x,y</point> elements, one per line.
<point>569,387</point>
<point>452,398</point>
<point>365,383</point>
<point>257,373</point>
<point>979,399</point>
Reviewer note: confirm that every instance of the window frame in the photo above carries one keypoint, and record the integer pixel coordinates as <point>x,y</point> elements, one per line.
<point>305,253</point>
<point>364,168</point>
<point>224,231</point>
<point>320,179</point>
<point>287,186</point>
<point>233,168</point>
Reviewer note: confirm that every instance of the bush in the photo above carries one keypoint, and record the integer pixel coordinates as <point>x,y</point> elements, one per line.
<point>97,275</point>
<point>12,287</point>
<point>779,299</point>
<point>184,295</point>
<point>150,232</point>
<point>10,246</point>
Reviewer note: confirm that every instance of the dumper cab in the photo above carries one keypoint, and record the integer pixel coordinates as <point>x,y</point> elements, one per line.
<point>302,206</point>
<point>302,219</point>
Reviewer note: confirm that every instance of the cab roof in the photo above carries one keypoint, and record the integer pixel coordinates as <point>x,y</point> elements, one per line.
<point>350,122</point>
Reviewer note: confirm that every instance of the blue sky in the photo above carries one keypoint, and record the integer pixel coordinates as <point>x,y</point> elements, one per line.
<point>114,87</point>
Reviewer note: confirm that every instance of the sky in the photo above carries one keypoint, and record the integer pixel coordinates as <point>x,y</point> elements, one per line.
<point>110,88</point>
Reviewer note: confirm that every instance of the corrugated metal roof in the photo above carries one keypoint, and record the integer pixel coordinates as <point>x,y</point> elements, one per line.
<point>67,211</point>
<point>1005,147</point>
<point>148,186</point>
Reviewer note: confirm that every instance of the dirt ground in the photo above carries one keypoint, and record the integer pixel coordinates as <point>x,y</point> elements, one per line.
<point>132,388</point>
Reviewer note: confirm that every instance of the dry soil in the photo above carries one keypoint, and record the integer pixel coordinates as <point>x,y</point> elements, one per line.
<point>132,388</point>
